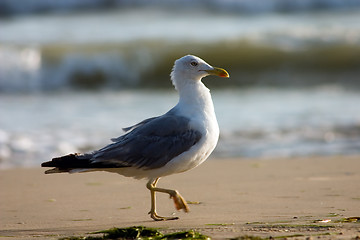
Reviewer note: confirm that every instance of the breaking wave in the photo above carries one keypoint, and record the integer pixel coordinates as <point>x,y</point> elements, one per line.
<point>13,7</point>
<point>135,48</point>
<point>25,69</point>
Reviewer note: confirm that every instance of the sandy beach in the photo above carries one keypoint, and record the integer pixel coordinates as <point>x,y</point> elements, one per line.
<point>297,198</point>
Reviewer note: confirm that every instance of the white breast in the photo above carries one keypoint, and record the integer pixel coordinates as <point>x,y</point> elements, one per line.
<point>198,107</point>
<point>195,103</point>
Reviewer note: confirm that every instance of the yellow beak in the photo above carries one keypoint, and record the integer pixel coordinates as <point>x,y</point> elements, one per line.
<point>218,72</point>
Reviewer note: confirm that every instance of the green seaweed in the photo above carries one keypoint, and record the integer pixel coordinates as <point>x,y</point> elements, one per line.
<point>333,215</point>
<point>256,223</point>
<point>130,233</point>
<point>140,232</point>
<point>189,234</point>
<point>349,220</point>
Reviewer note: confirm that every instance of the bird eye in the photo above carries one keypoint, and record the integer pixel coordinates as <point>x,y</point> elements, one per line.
<point>194,64</point>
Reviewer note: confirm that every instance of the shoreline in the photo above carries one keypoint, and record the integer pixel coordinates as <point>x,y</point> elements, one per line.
<point>228,198</point>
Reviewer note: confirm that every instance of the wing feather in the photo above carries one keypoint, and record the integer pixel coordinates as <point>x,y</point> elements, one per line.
<point>150,144</point>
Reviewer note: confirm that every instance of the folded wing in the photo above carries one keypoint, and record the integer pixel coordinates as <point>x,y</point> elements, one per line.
<point>147,145</point>
<point>151,144</point>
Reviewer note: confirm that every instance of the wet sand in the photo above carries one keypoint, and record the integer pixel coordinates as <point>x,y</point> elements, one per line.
<point>228,198</point>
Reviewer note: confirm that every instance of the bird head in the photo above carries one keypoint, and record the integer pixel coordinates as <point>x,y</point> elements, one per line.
<point>192,68</point>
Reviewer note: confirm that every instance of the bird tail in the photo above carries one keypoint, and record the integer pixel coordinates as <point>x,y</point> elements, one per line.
<point>68,163</point>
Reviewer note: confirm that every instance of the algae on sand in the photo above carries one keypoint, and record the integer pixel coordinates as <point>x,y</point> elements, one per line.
<point>140,232</point>
<point>349,220</point>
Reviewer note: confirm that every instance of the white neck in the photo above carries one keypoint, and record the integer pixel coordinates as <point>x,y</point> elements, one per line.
<point>196,97</point>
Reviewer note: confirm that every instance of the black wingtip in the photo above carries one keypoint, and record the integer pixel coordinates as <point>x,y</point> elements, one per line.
<point>46,164</point>
<point>61,161</point>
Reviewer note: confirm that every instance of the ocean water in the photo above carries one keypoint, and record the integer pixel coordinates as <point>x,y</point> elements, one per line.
<point>136,47</point>
<point>254,122</point>
<point>73,74</point>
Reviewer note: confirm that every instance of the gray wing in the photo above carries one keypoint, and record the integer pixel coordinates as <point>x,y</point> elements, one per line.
<point>136,125</point>
<point>150,144</point>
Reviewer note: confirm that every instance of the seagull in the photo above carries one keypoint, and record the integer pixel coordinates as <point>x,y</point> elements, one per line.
<point>175,142</point>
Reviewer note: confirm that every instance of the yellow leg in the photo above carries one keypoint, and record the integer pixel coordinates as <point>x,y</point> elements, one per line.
<point>179,201</point>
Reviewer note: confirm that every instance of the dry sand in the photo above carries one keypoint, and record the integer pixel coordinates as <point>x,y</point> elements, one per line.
<point>230,198</point>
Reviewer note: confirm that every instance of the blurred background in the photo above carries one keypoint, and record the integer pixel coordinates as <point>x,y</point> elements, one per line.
<point>73,73</point>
